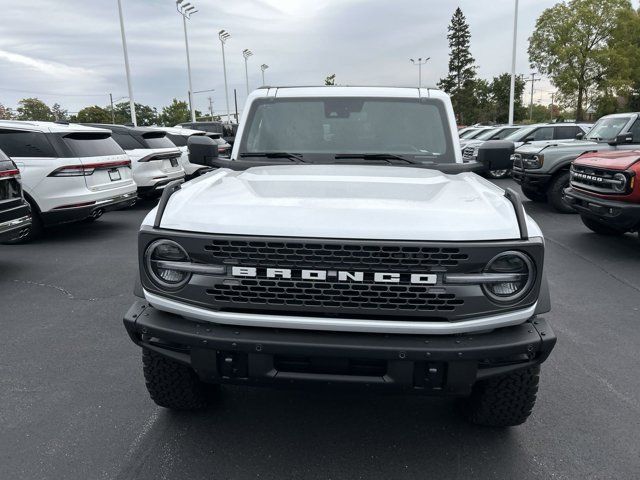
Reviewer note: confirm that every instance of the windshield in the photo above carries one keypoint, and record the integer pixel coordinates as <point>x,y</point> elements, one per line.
<point>92,145</point>
<point>158,141</point>
<point>468,133</point>
<point>520,134</point>
<point>323,128</point>
<point>487,134</point>
<point>607,128</point>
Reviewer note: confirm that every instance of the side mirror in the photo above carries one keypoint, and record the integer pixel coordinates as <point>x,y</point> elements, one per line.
<point>622,139</point>
<point>530,139</point>
<point>202,151</point>
<point>496,154</point>
<point>580,136</point>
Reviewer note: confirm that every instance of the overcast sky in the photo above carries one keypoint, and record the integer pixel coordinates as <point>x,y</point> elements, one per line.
<point>70,51</point>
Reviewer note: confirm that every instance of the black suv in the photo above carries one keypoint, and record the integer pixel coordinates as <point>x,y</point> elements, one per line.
<point>15,213</point>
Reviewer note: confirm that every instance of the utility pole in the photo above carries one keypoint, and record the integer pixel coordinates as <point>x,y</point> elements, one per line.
<point>186,10</point>
<point>211,108</point>
<point>533,80</point>
<point>552,97</point>
<point>113,115</point>
<point>512,91</point>
<point>126,66</point>
<point>223,35</point>
<point>419,63</point>
<point>235,98</point>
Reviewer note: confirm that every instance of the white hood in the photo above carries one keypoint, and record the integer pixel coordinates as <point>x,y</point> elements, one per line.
<point>344,201</point>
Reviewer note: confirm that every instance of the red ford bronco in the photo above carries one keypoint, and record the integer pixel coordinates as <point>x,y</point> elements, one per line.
<point>605,190</point>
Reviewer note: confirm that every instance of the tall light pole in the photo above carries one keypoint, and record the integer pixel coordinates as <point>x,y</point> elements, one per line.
<point>419,63</point>
<point>512,91</point>
<point>132,104</point>
<point>263,67</point>
<point>223,35</point>
<point>246,53</point>
<point>186,10</point>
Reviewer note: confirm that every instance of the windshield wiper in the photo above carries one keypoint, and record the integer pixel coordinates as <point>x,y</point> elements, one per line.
<point>291,156</point>
<point>372,156</point>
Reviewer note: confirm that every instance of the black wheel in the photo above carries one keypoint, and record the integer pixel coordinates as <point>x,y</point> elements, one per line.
<point>35,230</point>
<point>554,193</point>
<point>172,384</point>
<point>505,400</point>
<point>533,195</point>
<point>497,174</point>
<point>599,227</point>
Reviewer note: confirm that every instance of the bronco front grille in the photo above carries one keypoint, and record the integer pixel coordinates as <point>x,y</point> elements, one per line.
<point>595,179</point>
<point>393,258</point>
<point>330,296</point>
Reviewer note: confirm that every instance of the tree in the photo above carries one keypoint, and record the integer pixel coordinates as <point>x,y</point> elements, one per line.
<point>570,43</point>
<point>6,113</point>
<point>145,115</point>
<point>330,80</point>
<point>500,93</point>
<point>176,112</point>
<point>34,109</point>
<point>459,83</point>
<point>93,114</point>
<point>59,113</point>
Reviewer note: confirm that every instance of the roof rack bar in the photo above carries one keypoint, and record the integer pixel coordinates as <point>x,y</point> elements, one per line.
<point>521,216</point>
<point>169,190</point>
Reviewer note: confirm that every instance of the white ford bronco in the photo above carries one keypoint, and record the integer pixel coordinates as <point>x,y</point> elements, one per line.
<point>344,243</point>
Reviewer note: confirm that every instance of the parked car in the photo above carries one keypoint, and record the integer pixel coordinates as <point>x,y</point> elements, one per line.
<point>15,213</point>
<point>605,190</point>
<point>69,172</point>
<point>154,157</point>
<point>224,147</point>
<point>333,257</point>
<point>543,170</point>
<point>227,130</point>
<point>179,137</point>
<point>547,133</point>
<point>473,133</point>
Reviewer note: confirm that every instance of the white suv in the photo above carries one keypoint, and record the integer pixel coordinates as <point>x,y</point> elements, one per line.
<point>69,172</point>
<point>180,136</point>
<point>154,158</point>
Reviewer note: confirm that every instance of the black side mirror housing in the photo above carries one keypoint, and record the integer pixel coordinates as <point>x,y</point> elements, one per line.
<point>496,154</point>
<point>580,136</point>
<point>530,139</point>
<point>202,151</point>
<point>623,139</point>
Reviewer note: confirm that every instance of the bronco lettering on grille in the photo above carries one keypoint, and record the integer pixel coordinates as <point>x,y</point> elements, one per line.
<point>336,275</point>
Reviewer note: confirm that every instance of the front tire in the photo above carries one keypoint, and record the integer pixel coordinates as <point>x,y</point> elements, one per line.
<point>173,385</point>
<point>555,193</point>
<point>505,400</point>
<point>599,227</point>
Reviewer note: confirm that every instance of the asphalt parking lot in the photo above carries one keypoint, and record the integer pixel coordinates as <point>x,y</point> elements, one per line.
<point>73,403</point>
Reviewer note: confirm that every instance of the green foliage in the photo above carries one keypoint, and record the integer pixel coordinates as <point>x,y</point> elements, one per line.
<point>460,82</point>
<point>500,91</point>
<point>176,112</point>
<point>59,113</point>
<point>145,115</point>
<point>93,114</point>
<point>34,109</point>
<point>6,113</point>
<point>572,44</point>
<point>330,80</point>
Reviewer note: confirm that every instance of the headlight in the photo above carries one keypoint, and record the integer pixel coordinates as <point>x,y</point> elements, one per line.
<point>534,162</point>
<point>162,259</point>
<point>621,182</point>
<point>515,274</point>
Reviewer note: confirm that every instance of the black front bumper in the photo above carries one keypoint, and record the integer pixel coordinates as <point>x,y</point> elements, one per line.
<point>77,214</point>
<point>531,179</point>
<point>15,222</point>
<point>433,364</point>
<point>620,215</point>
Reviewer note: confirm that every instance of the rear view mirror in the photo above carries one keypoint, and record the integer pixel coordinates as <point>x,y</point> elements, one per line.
<point>202,151</point>
<point>622,139</point>
<point>496,154</point>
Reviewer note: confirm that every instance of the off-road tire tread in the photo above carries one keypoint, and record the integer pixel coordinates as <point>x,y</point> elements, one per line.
<point>505,400</point>
<point>171,384</point>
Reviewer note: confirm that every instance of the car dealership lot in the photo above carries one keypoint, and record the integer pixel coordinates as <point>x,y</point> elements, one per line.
<point>74,403</point>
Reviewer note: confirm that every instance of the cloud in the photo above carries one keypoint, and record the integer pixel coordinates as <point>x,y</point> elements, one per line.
<point>53,69</point>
